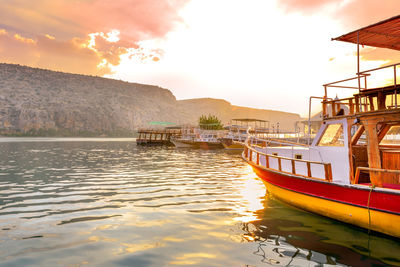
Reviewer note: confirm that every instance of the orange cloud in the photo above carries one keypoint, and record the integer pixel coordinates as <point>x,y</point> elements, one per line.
<point>353,13</point>
<point>360,13</point>
<point>50,37</point>
<point>305,6</point>
<point>86,36</point>
<point>23,39</point>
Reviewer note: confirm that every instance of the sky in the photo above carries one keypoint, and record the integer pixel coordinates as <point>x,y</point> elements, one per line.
<point>269,54</point>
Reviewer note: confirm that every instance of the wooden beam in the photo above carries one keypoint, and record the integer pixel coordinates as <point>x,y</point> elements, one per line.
<point>383,132</point>
<point>350,155</point>
<point>374,157</point>
<point>357,135</point>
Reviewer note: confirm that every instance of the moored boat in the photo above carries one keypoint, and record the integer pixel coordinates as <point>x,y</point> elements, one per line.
<point>351,171</point>
<point>237,132</point>
<point>198,138</point>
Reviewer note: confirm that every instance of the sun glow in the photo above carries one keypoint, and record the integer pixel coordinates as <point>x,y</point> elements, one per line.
<point>253,192</point>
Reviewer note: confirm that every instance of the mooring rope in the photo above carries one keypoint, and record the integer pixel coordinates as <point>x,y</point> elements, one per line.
<point>369,210</point>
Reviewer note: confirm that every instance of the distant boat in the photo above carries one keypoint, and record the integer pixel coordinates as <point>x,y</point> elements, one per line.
<point>199,138</point>
<point>237,132</point>
<point>351,171</point>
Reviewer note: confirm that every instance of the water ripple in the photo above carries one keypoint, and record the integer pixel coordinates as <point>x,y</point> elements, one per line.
<point>74,202</point>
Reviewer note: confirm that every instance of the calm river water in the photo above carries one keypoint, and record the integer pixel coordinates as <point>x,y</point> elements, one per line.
<point>107,202</point>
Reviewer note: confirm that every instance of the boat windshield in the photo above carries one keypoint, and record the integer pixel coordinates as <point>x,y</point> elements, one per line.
<point>333,136</point>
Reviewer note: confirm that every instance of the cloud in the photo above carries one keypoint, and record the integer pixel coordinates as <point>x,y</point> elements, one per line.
<point>374,54</point>
<point>23,39</point>
<point>359,13</point>
<point>305,6</point>
<point>352,13</point>
<point>85,36</point>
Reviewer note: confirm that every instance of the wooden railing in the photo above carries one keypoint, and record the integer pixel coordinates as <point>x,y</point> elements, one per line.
<point>366,169</point>
<point>374,100</point>
<point>366,99</point>
<point>249,156</point>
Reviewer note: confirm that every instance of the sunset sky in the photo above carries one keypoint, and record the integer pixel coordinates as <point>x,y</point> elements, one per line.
<point>270,54</point>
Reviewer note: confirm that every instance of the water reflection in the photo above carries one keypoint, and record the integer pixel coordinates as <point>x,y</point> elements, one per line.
<point>287,236</point>
<point>112,203</point>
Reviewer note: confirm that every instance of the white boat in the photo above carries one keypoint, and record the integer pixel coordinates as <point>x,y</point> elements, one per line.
<point>199,138</point>
<point>237,132</point>
<point>351,171</point>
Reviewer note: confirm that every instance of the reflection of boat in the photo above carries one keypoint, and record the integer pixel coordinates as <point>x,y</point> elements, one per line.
<point>198,138</point>
<point>290,235</point>
<point>237,134</point>
<point>342,175</point>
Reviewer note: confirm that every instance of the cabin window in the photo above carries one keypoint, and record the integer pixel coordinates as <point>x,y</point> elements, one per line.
<point>392,137</point>
<point>333,136</point>
<point>298,156</point>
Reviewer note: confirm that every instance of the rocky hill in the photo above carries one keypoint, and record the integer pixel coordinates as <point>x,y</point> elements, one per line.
<point>226,112</point>
<point>43,102</point>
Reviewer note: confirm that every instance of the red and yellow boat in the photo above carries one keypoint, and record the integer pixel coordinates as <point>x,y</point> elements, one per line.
<point>351,170</point>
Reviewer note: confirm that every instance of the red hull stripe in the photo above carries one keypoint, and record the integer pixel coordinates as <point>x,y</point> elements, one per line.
<point>347,203</point>
<point>380,200</point>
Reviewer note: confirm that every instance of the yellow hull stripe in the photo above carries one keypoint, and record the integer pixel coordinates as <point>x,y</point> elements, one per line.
<point>378,221</point>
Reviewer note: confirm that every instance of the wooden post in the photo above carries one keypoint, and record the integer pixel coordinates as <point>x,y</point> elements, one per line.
<point>309,169</point>
<point>357,176</point>
<point>333,105</point>
<point>328,172</point>
<point>266,161</point>
<point>258,159</point>
<point>357,100</point>
<point>279,164</point>
<point>371,103</point>
<point>293,166</point>
<point>381,101</point>
<point>374,157</point>
<point>351,106</point>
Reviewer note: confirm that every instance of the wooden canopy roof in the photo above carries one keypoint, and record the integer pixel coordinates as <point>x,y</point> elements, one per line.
<point>249,120</point>
<point>385,34</point>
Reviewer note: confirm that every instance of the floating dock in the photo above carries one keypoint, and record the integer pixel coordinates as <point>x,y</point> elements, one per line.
<point>157,137</point>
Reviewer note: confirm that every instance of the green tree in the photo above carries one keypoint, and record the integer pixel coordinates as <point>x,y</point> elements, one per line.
<point>210,122</point>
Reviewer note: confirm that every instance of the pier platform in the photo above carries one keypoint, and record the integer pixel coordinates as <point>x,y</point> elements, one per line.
<point>157,137</point>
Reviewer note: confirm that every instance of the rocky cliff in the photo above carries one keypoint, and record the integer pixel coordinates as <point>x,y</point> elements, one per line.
<point>226,112</point>
<point>38,102</point>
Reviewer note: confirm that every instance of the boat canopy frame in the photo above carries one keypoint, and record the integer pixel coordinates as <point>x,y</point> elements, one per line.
<point>383,34</point>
